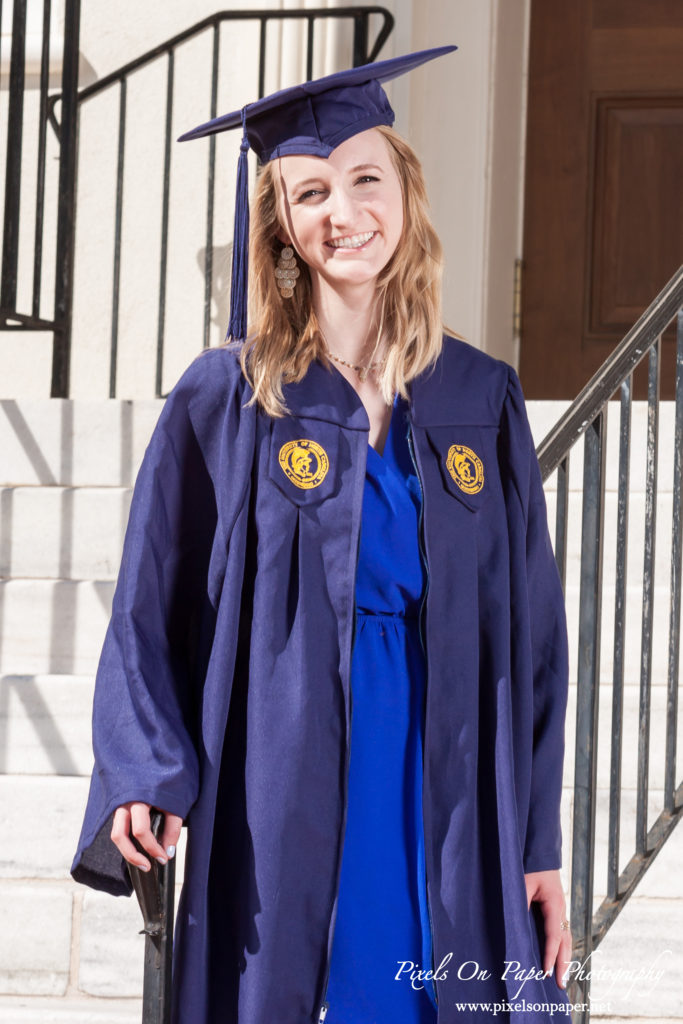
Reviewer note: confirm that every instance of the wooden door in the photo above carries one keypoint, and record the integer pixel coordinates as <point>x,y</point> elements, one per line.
<point>603,219</point>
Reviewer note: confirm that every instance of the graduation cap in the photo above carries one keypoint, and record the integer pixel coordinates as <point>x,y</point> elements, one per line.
<point>309,119</point>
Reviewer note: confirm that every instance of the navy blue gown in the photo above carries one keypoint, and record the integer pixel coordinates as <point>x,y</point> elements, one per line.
<point>382,916</point>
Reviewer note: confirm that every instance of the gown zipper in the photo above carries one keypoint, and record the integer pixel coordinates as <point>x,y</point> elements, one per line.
<point>424,649</point>
<point>324,1006</point>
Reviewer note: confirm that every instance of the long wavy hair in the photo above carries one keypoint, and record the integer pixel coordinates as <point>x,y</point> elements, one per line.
<point>284,335</point>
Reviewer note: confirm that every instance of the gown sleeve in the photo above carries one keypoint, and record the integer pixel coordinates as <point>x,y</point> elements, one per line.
<point>540,631</point>
<point>147,688</point>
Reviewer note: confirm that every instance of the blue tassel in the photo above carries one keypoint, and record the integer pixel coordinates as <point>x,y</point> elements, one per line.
<point>237,328</point>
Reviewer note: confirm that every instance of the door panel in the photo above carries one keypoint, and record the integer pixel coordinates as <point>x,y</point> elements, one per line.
<point>604,187</point>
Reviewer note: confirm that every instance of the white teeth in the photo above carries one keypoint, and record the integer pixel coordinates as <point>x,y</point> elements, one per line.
<point>352,242</point>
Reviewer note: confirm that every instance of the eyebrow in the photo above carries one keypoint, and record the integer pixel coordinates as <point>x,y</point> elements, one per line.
<point>352,170</point>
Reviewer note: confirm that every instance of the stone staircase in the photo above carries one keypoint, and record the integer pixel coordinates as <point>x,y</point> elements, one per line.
<point>73,955</point>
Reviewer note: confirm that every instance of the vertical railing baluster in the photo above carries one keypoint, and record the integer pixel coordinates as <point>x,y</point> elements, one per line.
<point>648,598</point>
<point>262,58</point>
<point>66,204</point>
<point>621,568</point>
<point>117,241</point>
<point>211,191</point>
<point>590,603</point>
<point>40,173</point>
<point>675,599</point>
<point>163,261</point>
<point>15,135</point>
<point>309,48</point>
<point>360,38</point>
<point>561,518</point>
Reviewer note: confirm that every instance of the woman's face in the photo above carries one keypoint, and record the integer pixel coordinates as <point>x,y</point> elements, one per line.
<point>344,214</point>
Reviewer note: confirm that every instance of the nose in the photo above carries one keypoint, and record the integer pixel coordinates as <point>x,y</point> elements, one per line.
<point>341,208</point>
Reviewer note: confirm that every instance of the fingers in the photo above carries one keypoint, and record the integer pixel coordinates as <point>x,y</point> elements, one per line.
<point>564,957</point>
<point>120,836</point>
<point>558,941</point>
<point>171,834</point>
<point>552,920</point>
<point>133,819</point>
<point>545,888</point>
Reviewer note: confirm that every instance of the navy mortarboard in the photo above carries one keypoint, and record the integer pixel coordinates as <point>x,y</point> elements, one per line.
<point>308,119</point>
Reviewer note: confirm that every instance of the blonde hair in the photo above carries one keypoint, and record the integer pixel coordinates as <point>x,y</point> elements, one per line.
<point>284,335</point>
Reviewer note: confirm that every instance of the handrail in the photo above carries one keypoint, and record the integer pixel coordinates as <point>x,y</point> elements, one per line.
<point>155,893</point>
<point>587,416</point>
<point>610,376</point>
<point>358,14</point>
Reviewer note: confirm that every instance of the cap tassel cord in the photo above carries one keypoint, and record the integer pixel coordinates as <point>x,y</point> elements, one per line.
<point>237,328</point>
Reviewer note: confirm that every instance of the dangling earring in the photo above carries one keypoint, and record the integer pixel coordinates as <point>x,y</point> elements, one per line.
<point>286,272</point>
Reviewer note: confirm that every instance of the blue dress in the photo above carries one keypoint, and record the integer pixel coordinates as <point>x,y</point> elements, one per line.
<point>382,917</point>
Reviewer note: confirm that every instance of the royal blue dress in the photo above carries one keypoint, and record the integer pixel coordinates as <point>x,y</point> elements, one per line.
<point>382,916</point>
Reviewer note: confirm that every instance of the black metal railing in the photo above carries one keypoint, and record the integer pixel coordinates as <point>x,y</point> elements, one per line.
<point>17,311</point>
<point>587,416</point>
<point>363,50</point>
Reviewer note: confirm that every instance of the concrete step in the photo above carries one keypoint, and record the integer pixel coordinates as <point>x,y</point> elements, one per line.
<point>35,960</point>
<point>635,537</point>
<point>63,532</point>
<point>69,442</point>
<point>40,819</point>
<point>633,634</point>
<point>53,626</point>
<point>101,443</point>
<point>34,808</point>
<point>77,533</point>
<point>58,626</point>
<point>636,969</point>
<point>26,1010</point>
<point>45,728</point>
<point>57,804</point>
<point>35,942</point>
<point>631,726</point>
<point>544,415</point>
<point>45,725</point>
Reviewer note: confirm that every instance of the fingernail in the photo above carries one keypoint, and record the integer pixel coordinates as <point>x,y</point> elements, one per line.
<point>145,867</point>
<point>162,860</point>
<point>170,850</point>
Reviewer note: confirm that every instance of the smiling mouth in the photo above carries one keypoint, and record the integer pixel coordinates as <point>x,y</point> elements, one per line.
<point>351,241</point>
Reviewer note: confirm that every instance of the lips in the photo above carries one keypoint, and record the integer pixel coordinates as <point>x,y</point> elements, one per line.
<point>351,241</point>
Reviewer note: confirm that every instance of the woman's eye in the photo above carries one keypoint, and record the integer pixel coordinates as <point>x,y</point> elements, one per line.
<point>311,193</point>
<point>366,178</point>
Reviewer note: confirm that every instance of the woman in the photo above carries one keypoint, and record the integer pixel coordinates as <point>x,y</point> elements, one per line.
<point>340,520</point>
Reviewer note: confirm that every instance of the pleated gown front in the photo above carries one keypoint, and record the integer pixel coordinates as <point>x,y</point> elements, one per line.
<point>382,916</point>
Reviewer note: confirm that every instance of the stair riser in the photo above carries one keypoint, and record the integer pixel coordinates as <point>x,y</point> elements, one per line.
<point>73,442</point>
<point>58,626</point>
<point>79,442</point>
<point>45,725</point>
<point>52,626</point>
<point>63,533</point>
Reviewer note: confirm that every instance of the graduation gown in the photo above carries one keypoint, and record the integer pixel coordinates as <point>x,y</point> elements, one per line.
<point>223,688</point>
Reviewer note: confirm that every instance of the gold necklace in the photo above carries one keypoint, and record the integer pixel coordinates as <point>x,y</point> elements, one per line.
<point>362,371</point>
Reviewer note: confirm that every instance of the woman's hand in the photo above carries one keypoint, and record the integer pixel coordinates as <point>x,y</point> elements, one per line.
<point>135,818</point>
<point>545,888</point>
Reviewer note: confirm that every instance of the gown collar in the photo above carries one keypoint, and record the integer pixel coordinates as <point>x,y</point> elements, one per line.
<point>437,397</point>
